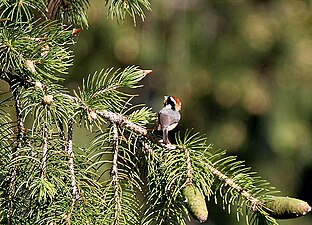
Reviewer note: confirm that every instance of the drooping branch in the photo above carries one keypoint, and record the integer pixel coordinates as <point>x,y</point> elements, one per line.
<point>116,119</point>
<point>114,172</point>
<point>44,150</point>
<point>75,193</point>
<point>19,139</point>
<point>254,202</point>
<point>71,167</point>
<point>188,167</point>
<point>19,119</point>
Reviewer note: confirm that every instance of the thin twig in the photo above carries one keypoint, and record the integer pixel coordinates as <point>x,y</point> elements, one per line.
<point>123,121</point>
<point>19,139</point>
<point>44,150</point>
<point>71,166</point>
<point>75,193</point>
<point>254,202</point>
<point>114,173</point>
<point>188,180</point>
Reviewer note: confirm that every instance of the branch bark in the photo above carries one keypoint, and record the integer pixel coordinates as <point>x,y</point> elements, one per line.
<point>44,151</point>
<point>71,166</point>
<point>115,179</point>
<point>75,193</point>
<point>254,202</point>
<point>19,139</point>
<point>188,167</point>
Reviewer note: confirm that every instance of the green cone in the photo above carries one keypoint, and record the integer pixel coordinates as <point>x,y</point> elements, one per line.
<point>196,203</point>
<point>286,208</point>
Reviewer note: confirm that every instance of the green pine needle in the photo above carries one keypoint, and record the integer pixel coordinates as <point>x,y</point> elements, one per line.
<point>119,8</point>
<point>36,52</point>
<point>104,90</point>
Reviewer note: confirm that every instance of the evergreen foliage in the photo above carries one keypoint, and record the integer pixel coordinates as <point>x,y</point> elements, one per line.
<point>46,179</point>
<point>119,8</point>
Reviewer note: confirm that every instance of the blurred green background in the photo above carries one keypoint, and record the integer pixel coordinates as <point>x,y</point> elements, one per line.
<point>242,68</point>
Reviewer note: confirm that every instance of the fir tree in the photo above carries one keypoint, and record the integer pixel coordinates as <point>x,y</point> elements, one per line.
<point>46,179</point>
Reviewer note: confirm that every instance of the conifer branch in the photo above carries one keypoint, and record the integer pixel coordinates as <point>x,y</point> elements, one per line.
<point>70,153</point>
<point>126,123</point>
<point>75,193</point>
<point>188,167</point>
<point>19,139</point>
<point>114,172</point>
<point>122,121</point>
<point>255,203</point>
<point>119,8</point>
<point>236,189</point>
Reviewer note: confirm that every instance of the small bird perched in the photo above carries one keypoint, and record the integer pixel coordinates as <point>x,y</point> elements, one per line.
<point>169,116</point>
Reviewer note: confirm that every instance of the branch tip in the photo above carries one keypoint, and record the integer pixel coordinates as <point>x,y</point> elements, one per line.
<point>146,72</point>
<point>76,31</point>
<point>47,99</point>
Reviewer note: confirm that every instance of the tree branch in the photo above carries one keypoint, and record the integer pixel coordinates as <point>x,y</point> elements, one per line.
<point>19,139</point>
<point>254,202</point>
<point>71,166</point>
<point>114,173</point>
<point>188,167</point>
<point>120,120</point>
<point>44,151</point>
<point>70,153</point>
<point>123,121</point>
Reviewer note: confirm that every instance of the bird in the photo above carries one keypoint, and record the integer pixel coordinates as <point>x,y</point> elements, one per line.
<point>169,116</point>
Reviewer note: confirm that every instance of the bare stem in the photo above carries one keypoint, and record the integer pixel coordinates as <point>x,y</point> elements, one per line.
<point>254,202</point>
<point>188,167</point>
<point>75,193</point>
<point>121,120</point>
<point>19,139</point>
<point>115,178</point>
<point>70,152</point>
<point>44,150</point>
